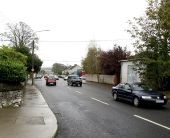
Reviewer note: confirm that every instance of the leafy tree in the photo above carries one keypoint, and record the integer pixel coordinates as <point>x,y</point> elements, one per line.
<point>90,63</point>
<point>152,35</point>
<point>37,61</point>
<point>109,61</point>
<point>57,68</point>
<point>21,37</point>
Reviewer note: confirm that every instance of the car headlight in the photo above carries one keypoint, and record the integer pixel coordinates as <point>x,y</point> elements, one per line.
<point>146,97</point>
<point>165,97</point>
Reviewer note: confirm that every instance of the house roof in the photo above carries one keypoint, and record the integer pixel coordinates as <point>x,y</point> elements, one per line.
<point>71,67</point>
<point>74,66</point>
<point>127,60</point>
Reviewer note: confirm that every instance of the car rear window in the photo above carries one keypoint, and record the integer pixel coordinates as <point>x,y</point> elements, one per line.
<point>75,77</point>
<point>51,77</point>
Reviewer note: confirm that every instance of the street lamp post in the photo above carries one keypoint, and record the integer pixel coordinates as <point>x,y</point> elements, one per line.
<point>33,46</point>
<point>32,69</point>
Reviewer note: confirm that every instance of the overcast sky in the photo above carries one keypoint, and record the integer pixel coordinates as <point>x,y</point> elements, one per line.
<point>72,24</point>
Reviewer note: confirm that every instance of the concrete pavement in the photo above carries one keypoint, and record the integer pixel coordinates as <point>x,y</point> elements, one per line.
<point>34,119</point>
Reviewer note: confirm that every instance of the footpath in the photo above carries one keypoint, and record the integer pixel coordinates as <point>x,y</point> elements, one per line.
<point>33,119</point>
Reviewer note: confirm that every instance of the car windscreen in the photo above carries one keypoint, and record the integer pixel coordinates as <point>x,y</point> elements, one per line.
<point>141,87</point>
<point>75,77</point>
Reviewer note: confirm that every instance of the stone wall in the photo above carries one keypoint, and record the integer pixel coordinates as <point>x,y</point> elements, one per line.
<point>11,98</point>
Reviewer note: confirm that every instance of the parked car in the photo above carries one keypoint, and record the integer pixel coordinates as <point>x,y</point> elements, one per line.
<point>51,80</point>
<point>56,77</point>
<point>138,94</point>
<point>38,76</point>
<point>74,80</point>
<point>60,76</point>
<point>65,78</point>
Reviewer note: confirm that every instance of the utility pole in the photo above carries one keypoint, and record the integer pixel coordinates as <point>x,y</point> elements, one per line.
<point>32,70</point>
<point>33,45</point>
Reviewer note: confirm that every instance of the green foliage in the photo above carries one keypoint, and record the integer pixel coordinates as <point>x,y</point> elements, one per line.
<point>12,71</point>
<point>7,53</point>
<point>104,62</point>
<point>24,50</point>
<point>57,68</point>
<point>37,61</point>
<point>12,65</point>
<point>152,36</point>
<point>21,37</point>
<point>90,63</point>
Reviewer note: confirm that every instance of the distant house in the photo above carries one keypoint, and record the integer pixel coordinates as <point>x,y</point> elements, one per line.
<point>72,70</point>
<point>128,74</point>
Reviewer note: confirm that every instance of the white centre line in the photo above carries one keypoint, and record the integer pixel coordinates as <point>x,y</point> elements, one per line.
<point>99,101</point>
<point>152,122</point>
<point>78,92</point>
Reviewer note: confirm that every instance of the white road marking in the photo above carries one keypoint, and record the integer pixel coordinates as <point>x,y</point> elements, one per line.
<point>99,101</point>
<point>152,122</point>
<point>78,92</point>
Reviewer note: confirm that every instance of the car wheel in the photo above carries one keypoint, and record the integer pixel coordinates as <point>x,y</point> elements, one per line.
<point>136,101</point>
<point>115,96</point>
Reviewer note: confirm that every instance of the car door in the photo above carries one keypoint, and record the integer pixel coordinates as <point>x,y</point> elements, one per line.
<point>121,91</point>
<point>128,92</point>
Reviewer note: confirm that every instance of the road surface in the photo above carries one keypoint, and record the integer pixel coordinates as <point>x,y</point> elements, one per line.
<point>90,112</point>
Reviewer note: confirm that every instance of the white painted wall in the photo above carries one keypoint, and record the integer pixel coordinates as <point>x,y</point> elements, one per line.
<point>108,79</point>
<point>127,72</point>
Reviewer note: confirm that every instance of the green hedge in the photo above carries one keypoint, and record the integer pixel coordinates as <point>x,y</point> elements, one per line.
<point>12,66</point>
<point>12,71</point>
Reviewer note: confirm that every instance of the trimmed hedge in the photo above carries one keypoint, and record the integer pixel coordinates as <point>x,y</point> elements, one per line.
<point>12,66</point>
<point>12,71</point>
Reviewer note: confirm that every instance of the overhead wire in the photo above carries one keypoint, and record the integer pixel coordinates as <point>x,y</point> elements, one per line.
<point>84,41</point>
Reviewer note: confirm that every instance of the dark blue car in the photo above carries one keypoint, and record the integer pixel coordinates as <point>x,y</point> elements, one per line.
<point>138,94</point>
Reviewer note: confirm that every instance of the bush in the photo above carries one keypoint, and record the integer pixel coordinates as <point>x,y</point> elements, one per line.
<point>12,66</point>
<point>12,71</point>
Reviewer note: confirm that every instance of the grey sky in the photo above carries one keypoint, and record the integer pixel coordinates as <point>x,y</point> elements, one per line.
<point>73,20</point>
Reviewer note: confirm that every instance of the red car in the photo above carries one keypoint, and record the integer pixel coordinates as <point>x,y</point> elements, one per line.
<point>51,80</point>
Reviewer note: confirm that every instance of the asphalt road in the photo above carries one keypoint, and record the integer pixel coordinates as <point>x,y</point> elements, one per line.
<point>90,112</point>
